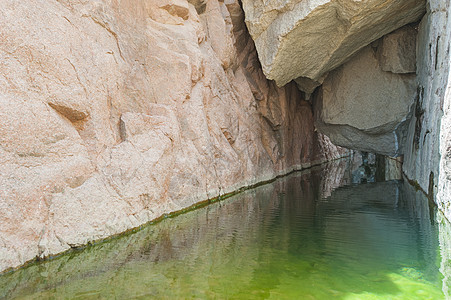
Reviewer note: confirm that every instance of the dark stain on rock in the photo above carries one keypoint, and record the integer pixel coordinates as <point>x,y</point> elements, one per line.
<point>419,116</point>
<point>431,186</point>
<point>436,52</point>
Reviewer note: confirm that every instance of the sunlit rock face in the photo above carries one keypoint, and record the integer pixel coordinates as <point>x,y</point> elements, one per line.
<point>113,113</point>
<point>363,107</point>
<point>299,38</point>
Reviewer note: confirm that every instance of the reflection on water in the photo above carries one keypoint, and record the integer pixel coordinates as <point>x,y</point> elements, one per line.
<point>302,237</point>
<point>445,247</point>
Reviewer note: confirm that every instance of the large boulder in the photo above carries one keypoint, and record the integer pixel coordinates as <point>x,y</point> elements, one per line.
<point>362,107</point>
<point>296,38</point>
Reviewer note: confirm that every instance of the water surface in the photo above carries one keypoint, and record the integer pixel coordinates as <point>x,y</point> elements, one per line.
<point>313,235</point>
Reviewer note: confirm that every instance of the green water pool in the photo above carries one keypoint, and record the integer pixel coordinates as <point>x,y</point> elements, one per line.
<point>301,237</point>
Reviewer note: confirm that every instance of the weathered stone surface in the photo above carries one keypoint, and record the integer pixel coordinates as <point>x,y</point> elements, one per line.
<point>427,155</point>
<point>362,107</point>
<point>113,113</point>
<point>397,51</point>
<point>393,168</point>
<point>297,38</point>
<point>185,239</point>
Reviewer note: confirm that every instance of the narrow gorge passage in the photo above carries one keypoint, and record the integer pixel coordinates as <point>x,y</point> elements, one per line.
<point>117,113</point>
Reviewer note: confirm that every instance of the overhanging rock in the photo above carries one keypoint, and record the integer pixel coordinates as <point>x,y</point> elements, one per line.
<point>308,38</point>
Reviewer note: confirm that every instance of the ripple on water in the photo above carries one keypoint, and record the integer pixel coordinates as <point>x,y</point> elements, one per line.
<point>284,240</point>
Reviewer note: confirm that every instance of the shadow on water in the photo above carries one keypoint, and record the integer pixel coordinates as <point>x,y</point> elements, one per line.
<point>313,235</point>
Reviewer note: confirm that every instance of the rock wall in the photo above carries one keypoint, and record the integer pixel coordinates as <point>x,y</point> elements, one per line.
<point>427,156</point>
<point>445,252</point>
<point>113,113</point>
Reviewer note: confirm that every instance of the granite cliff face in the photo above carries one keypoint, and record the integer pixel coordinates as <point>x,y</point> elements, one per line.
<point>113,113</point>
